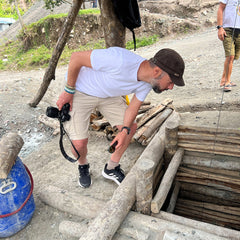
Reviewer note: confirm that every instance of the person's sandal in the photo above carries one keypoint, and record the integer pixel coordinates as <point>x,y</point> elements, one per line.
<point>227,88</point>
<point>233,84</point>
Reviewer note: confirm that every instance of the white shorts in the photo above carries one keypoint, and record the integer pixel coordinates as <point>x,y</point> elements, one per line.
<point>112,108</point>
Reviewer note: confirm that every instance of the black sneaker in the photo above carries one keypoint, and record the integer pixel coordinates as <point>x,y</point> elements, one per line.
<point>116,174</point>
<point>84,176</point>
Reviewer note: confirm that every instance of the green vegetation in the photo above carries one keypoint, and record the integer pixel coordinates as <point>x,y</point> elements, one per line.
<point>12,57</point>
<point>7,10</point>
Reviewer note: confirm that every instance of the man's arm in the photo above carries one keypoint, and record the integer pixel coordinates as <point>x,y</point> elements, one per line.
<point>77,60</point>
<point>129,117</point>
<point>221,31</point>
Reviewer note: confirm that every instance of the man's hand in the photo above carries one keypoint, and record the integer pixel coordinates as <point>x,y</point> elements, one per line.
<point>120,138</point>
<point>221,34</point>
<point>63,99</point>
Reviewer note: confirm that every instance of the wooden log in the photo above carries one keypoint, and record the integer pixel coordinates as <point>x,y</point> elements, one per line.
<point>211,191</point>
<point>210,149</point>
<point>207,227</point>
<point>158,170</point>
<point>220,171</point>
<point>208,218</point>
<point>201,197</point>
<point>51,122</point>
<point>144,109</point>
<point>157,226</point>
<point>171,142</point>
<point>207,139</point>
<point>71,202</point>
<point>210,131</point>
<point>148,129</point>
<point>173,199</point>
<point>76,229</point>
<point>184,177</point>
<point>225,162</point>
<point>113,213</point>
<point>167,181</point>
<point>215,216</point>
<point>210,175</point>
<point>99,124</point>
<point>10,146</point>
<point>73,229</point>
<point>144,190</point>
<point>233,211</point>
<point>154,111</point>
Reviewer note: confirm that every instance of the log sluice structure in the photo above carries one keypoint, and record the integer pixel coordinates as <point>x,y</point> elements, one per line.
<point>185,185</point>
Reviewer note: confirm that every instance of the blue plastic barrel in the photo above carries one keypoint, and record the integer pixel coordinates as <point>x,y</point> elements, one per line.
<point>16,200</point>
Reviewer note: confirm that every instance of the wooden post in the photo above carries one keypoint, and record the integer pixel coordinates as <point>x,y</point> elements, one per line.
<point>144,191</point>
<point>167,181</point>
<point>171,142</point>
<point>10,146</point>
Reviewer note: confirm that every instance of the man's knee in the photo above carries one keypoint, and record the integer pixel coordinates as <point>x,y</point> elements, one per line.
<point>80,144</point>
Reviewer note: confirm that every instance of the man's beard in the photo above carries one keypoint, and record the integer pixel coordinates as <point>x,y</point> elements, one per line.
<point>156,89</point>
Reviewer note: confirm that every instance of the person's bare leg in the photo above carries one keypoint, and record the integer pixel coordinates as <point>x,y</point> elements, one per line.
<point>226,76</point>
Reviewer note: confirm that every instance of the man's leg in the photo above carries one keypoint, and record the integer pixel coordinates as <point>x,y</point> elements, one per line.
<point>226,76</point>
<point>83,165</point>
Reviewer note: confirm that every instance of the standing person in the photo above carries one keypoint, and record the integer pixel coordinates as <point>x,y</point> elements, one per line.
<point>98,79</point>
<point>228,20</point>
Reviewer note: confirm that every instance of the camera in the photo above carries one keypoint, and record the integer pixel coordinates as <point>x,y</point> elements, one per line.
<point>62,115</point>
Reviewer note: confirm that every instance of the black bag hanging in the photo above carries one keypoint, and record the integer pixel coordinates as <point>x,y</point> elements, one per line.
<point>127,11</point>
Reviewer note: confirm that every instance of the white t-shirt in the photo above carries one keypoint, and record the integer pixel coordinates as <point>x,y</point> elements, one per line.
<point>113,73</point>
<point>231,14</point>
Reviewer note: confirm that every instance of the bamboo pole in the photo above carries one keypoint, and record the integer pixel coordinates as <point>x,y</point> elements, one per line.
<point>167,180</point>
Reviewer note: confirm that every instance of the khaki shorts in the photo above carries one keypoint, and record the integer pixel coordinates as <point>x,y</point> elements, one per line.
<point>113,109</point>
<point>231,43</point>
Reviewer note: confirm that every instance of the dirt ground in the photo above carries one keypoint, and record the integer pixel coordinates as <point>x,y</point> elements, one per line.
<point>200,102</point>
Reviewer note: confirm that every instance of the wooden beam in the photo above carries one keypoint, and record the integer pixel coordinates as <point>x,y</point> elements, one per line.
<point>167,181</point>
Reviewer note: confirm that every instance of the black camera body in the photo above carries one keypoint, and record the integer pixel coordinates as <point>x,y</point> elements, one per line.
<point>62,115</point>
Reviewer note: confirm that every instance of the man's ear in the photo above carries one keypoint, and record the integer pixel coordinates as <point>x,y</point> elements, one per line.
<point>157,72</point>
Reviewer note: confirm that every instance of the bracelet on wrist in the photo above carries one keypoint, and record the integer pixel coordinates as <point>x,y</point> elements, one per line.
<point>70,87</point>
<point>69,90</point>
<point>127,128</point>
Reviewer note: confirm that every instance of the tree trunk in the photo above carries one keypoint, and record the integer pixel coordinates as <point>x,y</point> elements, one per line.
<point>50,71</point>
<point>18,13</point>
<point>114,31</point>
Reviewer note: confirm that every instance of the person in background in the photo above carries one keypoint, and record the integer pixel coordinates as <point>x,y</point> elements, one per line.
<point>228,20</point>
<point>98,79</point>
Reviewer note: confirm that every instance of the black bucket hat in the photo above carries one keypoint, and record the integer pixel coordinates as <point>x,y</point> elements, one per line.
<point>172,63</point>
